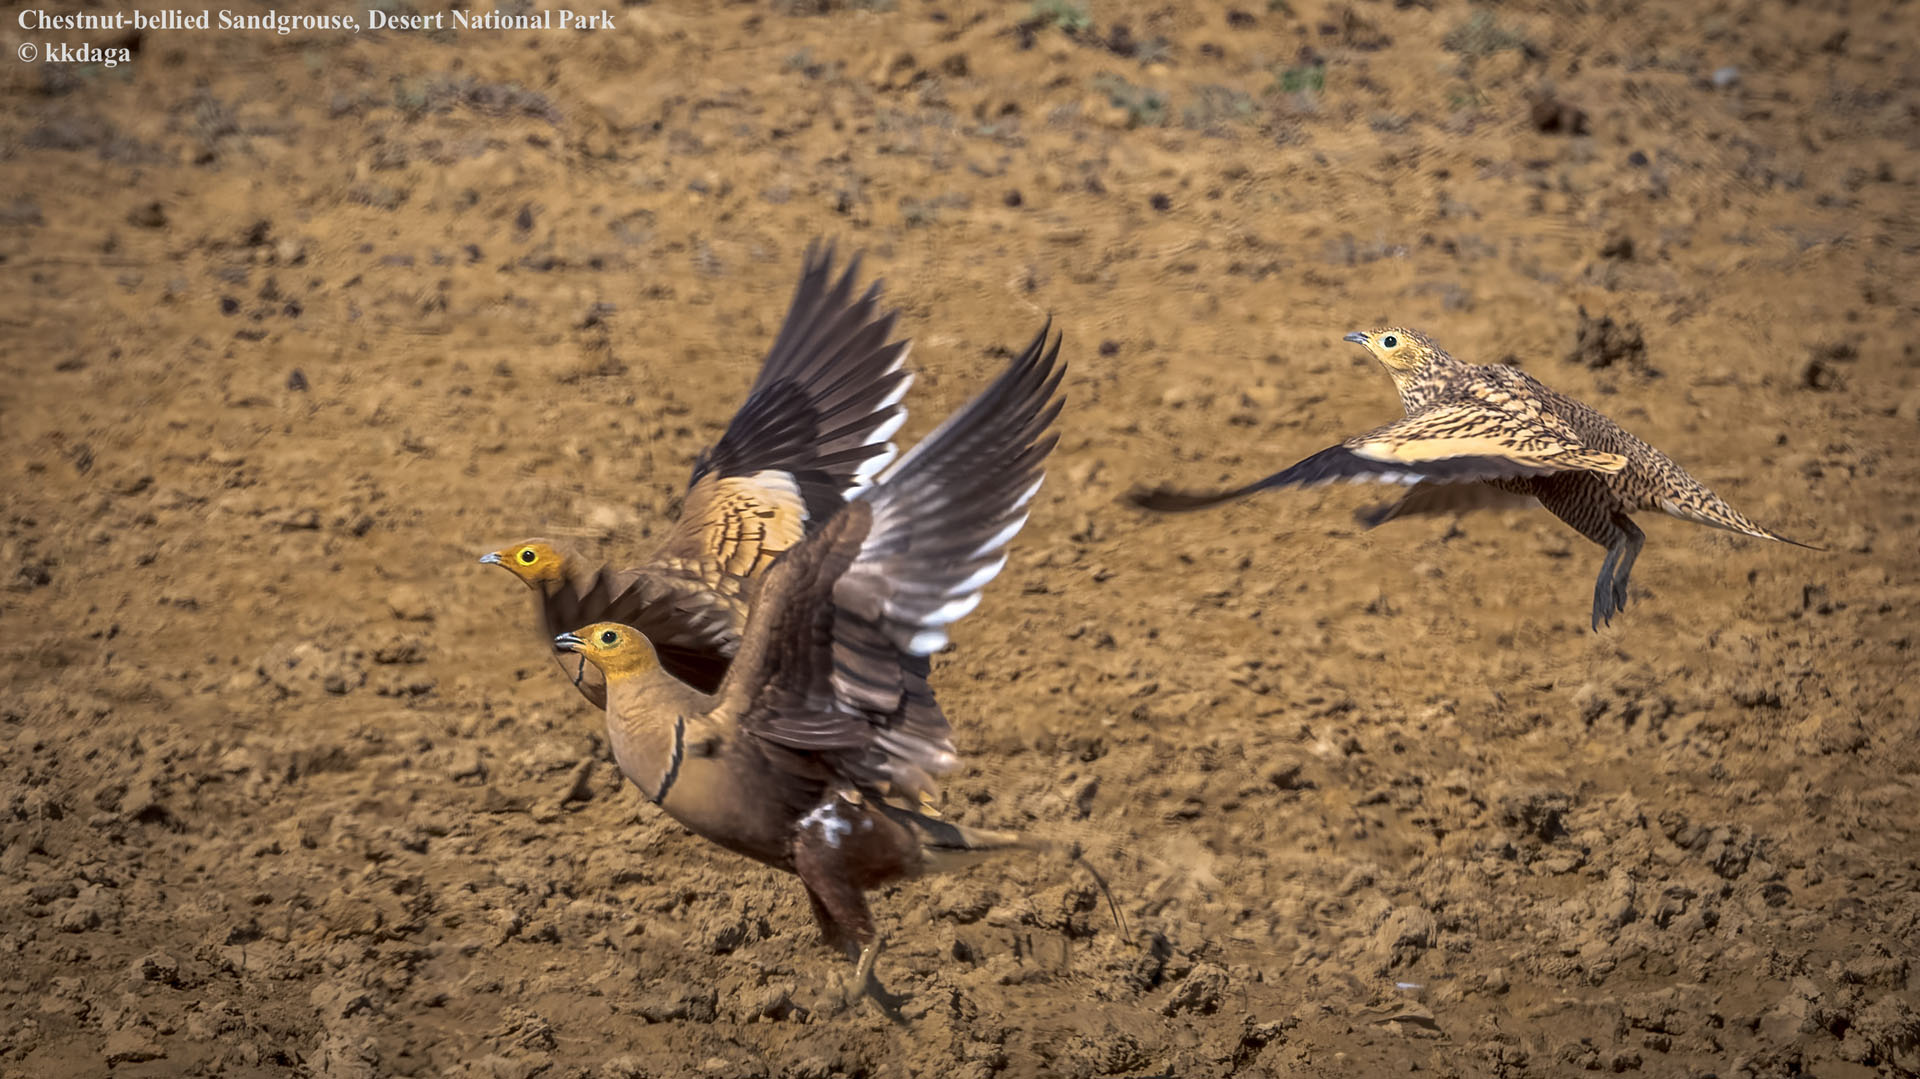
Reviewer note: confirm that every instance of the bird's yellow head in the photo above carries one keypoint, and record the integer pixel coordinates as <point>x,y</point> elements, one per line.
<point>1404,353</point>
<point>536,561</point>
<point>616,649</point>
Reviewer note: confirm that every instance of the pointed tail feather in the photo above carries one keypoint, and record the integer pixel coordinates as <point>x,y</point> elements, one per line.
<point>946,847</point>
<point>1778,538</point>
<point>1715,513</point>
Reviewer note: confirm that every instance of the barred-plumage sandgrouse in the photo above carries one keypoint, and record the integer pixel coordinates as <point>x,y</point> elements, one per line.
<point>817,753</point>
<point>813,429</point>
<point>1478,435</point>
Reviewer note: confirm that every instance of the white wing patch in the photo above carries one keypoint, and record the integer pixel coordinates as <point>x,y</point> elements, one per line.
<point>980,577</point>
<point>870,469</point>
<point>825,819</point>
<point>951,611</point>
<point>1002,538</point>
<point>941,760</point>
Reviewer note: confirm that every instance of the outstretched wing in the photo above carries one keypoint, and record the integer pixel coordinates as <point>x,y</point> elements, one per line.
<point>1458,442</point>
<point>834,659</point>
<point>813,429</point>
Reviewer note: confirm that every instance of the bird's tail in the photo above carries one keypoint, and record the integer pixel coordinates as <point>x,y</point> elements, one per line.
<point>1707,508</point>
<point>946,847</point>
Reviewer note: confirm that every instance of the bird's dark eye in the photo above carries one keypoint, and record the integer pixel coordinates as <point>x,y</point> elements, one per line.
<point>527,556</point>
<point>608,637</point>
<point>1389,341</point>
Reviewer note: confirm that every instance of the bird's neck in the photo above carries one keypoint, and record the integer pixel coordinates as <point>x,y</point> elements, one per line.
<point>684,760</point>
<point>579,578</point>
<point>1416,393</point>
<point>1426,384</point>
<point>655,722</point>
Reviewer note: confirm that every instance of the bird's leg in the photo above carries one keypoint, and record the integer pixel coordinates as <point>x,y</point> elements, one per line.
<point>821,848</point>
<point>830,929</point>
<point>1631,540</point>
<point>838,904</point>
<point>863,980</point>
<point>840,849</point>
<point>1603,606</point>
<point>1584,503</point>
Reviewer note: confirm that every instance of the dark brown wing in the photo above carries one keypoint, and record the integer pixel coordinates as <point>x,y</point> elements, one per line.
<point>815,424</point>
<point>834,657</point>
<point>1457,442</point>
<point>827,398</point>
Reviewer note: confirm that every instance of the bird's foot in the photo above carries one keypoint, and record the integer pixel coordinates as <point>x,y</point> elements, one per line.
<point>1609,599</point>
<point>863,984</point>
<point>1606,603</point>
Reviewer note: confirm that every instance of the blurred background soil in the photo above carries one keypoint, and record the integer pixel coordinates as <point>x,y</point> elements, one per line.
<point>297,326</point>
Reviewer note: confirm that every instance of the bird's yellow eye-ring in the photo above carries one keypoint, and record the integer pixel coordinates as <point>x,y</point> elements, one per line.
<point>527,557</point>
<point>1389,341</point>
<point>608,637</point>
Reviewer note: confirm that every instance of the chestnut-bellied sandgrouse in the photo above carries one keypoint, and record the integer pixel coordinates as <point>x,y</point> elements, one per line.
<point>817,752</point>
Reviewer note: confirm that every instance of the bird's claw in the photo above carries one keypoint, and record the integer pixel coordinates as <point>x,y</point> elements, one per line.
<point>863,983</point>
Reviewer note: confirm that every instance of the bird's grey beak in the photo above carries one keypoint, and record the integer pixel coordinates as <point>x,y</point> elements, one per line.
<point>568,642</point>
<point>1356,337</point>
<point>490,559</point>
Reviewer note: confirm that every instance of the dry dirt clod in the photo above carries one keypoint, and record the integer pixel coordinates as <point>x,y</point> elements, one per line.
<point>1601,343</point>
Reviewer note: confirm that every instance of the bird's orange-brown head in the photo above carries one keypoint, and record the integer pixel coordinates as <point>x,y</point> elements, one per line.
<point>534,561</point>
<point>619,651</point>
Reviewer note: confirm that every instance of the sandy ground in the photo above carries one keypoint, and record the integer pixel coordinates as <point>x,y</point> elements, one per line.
<point>295,327</point>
